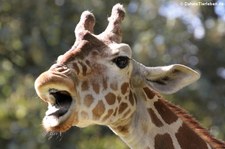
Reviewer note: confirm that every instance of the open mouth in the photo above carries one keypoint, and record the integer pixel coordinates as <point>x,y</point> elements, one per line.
<point>57,90</point>
<point>59,104</point>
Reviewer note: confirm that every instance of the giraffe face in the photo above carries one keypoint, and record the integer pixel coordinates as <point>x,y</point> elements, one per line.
<point>89,84</point>
<point>95,81</point>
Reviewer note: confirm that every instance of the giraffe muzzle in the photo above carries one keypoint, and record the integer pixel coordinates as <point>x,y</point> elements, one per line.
<point>58,91</point>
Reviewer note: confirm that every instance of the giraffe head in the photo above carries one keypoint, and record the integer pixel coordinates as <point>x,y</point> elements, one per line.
<point>94,81</point>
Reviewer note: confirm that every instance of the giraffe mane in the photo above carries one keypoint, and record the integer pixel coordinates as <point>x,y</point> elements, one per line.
<point>195,126</point>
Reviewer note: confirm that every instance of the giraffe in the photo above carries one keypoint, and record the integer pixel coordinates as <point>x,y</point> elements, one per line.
<point>98,82</point>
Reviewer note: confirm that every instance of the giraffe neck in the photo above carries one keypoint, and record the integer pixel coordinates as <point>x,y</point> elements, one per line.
<point>158,124</point>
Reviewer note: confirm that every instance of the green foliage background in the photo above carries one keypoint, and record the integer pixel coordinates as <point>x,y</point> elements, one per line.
<point>34,33</point>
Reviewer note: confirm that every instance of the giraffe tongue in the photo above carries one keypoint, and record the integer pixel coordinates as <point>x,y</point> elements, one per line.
<point>54,111</point>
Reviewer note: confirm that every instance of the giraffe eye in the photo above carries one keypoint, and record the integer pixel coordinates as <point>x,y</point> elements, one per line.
<point>121,61</point>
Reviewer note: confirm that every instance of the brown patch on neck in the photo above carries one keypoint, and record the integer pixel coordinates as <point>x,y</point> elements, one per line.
<point>195,126</point>
<point>164,142</point>
<point>187,138</point>
<point>150,94</point>
<point>167,115</point>
<point>154,118</point>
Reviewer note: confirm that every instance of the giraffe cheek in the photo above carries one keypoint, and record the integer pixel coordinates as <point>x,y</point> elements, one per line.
<point>88,100</point>
<point>110,98</point>
<point>124,88</point>
<point>98,110</point>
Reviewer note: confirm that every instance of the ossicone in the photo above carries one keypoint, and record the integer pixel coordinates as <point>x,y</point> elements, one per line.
<point>112,32</point>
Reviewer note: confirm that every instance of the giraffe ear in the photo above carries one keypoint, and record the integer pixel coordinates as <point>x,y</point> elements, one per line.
<point>170,79</point>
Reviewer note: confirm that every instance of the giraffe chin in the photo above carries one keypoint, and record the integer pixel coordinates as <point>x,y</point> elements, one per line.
<point>53,123</point>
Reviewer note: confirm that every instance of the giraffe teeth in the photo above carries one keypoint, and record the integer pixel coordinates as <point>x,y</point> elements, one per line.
<point>51,110</point>
<point>56,111</point>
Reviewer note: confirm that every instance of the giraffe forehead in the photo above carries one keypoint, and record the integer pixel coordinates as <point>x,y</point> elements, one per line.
<point>82,51</point>
<point>95,49</point>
